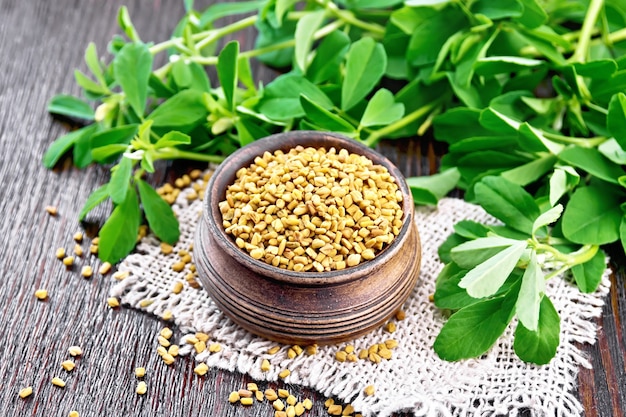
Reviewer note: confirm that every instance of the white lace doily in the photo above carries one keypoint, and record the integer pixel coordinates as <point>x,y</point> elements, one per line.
<point>415,378</point>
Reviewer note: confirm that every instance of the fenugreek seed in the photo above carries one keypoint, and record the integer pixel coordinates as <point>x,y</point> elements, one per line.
<point>104,268</point>
<point>354,259</point>
<point>86,271</point>
<point>166,332</point>
<point>78,250</point>
<point>246,401</point>
<point>244,393</point>
<point>142,388</point>
<point>121,275</point>
<point>291,411</point>
<point>168,359</point>
<point>60,253</point>
<point>178,287</point>
<point>78,236</point>
<point>385,353</point>
<point>259,395</point>
<point>369,390</point>
<point>299,408</point>
<point>68,365</point>
<point>271,395</point>
<point>291,400</point>
<point>68,261</point>
<point>329,402</point>
<point>273,350</point>
<point>25,392</point>
<point>291,353</point>
<point>178,266</point>
<point>52,210</point>
<point>307,403</point>
<point>400,315</point>
<point>390,327</point>
<point>374,357</point>
<point>335,410</point>
<point>363,353</point>
<point>348,410</point>
<point>284,373</point>
<point>41,294</point>
<point>56,381</point>
<point>233,397</point>
<point>73,413</point>
<point>352,357</point>
<point>166,248</point>
<point>215,347</point>
<point>349,348</point>
<point>93,249</point>
<point>113,302</point>
<point>200,347</point>
<point>311,349</point>
<point>167,315</point>
<point>265,365</point>
<point>280,413</point>
<point>192,340</point>
<point>278,405</point>
<point>145,302</point>
<point>201,369</point>
<point>283,393</point>
<point>173,350</point>
<point>202,336</point>
<point>341,356</point>
<point>140,372</point>
<point>75,350</point>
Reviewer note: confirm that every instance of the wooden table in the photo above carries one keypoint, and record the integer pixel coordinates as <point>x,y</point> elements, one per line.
<point>41,43</point>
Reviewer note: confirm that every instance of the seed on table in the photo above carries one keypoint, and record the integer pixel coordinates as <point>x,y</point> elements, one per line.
<point>251,386</point>
<point>271,395</point>
<point>233,397</point>
<point>369,390</point>
<point>166,248</point>
<point>390,327</point>
<point>142,388</point>
<point>259,396</point>
<point>291,411</point>
<point>391,343</point>
<point>192,340</point>
<point>52,210</point>
<point>284,373</point>
<point>173,350</point>
<point>341,356</point>
<point>121,275</point>
<point>163,341</point>
<point>283,393</point>
<point>273,350</point>
<point>75,350</point>
<point>352,357</point>
<point>58,382</point>
<point>385,353</point>
<point>244,393</point>
<point>178,266</point>
<point>73,413</point>
<point>145,302</point>
<point>68,365</point>
<point>78,236</point>
<point>299,409</point>
<point>202,336</point>
<point>200,346</point>
<point>166,332</point>
<point>329,402</point>
<point>348,410</point>
<point>41,294</point>
<point>178,287</point>
<point>278,405</point>
<point>113,302</point>
<point>307,403</point>
<point>140,372</point>
<point>93,249</point>
<point>215,347</point>
<point>400,315</point>
<point>86,271</point>
<point>168,359</point>
<point>105,268</point>
<point>311,349</point>
<point>68,261</point>
<point>246,401</point>
<point>167,315</point>
<point>201,369</point>
<point>25,392</point>
<point>60,253</point>
<point>349,349</point>
<point>335,410</point>
<point>280,413</point>
<point>291,354</point>
<point>291,400</point>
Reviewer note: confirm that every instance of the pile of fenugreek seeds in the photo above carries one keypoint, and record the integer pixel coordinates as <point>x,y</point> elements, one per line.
<point>312,209</point>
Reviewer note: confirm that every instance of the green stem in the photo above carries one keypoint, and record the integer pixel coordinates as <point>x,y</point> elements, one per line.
<point>582,255</point>
<point>582,48</point>
<point>174,153</point>
<point>349,18</point>
<point>582,142</point>
<point>379,134</point>
<point>227,30</point>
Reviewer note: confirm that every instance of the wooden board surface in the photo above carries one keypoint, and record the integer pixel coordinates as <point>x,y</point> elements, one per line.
<point>42,43</point>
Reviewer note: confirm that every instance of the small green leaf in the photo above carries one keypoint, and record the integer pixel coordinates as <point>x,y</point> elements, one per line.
<point>547,217</point>
<point>282,7</point>
<point>429,189</point>
<point>616,120</point>
<point>70,106</point>
<point>539,346</point>
<point>120,180</point>
<point>123,20</point>
<point>474,252</point>
<point>305,29</point>
<point>382,109</point>
<point>471,229</point>
<point>160,216</point>
<point>103,154</point>
<point>487,277</point>
<point>599,69</point>
<point>561,181</point>
<point>592,215</point>
<point>93,62</point>
<point>132,67</point>
<point>531,293</point>
<point>323,118</point>
<point>94,199</point>
<point>328,57</point>
<point>472,330</point>
<point>227,71</point>
<point>448,294</point>
<point>63,144</point>
<point>89,85</point>
<point>172,139</point>
<point>184,109</point>
<point>592,161</point>
<point>589,274</point>
<point>508,202</point>
<point>219,10</point>
<point>118,235</point>
<point>498,9</point>
<point>365,66</point>
<point>533,16</point>
<point>82,147</point>
<point>281,98</point>
<point>492,65</point>
<point>530,171</point>
<point>613,151</point>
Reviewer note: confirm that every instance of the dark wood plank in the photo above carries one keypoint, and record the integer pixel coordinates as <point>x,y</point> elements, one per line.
<point>43,41</point>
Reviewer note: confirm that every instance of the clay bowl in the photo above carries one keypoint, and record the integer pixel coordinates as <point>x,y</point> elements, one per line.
<point>303,307</point>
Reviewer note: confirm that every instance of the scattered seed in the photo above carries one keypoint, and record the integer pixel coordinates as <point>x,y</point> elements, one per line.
<point>192,340</point>
<point>68,365</point>
<point>283,393</point>
<point>41,294</point>
<point>233,397</point>
<point>307,403</point>
<point>166,248</point>
<point>335,410</point>
<point>163,341</point>
<point>58,382</point>
<point>278,405</point>
<point>400,315</point>
<point>244,393</point>
<point>73,413</point>
<point>369,390</point>
<point>93,249</point>
<point>259,395</point>
<point>140,372</point>
<point>251,386</point>
<point>284,373</point>
<point>246,401</point>
<point>280,413</point>
<point>60,253</point>
<point>299,408</point>
<point>291,411</point>
<point>166,332</point>
<point>113,302</point>
<point>178,287</point>
<point>25,392</point>
<point>329,402</point>
<point>142,388</point>
<point>341,356</point>
<point>86,271</point>
<point>68,261</point>
<point>215,347</point>
<point>311,349</point>
<point>273,350</point>
<point>75,351</point>
<point>265,365</point>
<point>78,236</point>
<point>52,210</point>
<point>145,302</point>
<point>200,346</point>
<point>291,400</point>
<point>167,315</point>
<point>390,327</point>
<point>391,343</point>
<point>173,350</point>
<point>168,359</point>
<point>104,268</point>
<point>271,395</point>
<point>121,275</point>
<point>348,410</point>
<point>201,369</point>
<point>202,336</point>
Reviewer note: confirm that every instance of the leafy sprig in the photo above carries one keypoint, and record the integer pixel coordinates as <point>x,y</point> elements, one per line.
<point>528,96</point>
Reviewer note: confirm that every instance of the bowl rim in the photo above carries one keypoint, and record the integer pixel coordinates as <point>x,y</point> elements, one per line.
<point>244,156</point>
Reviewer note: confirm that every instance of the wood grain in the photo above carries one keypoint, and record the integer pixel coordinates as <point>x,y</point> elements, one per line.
<point>42,43</point>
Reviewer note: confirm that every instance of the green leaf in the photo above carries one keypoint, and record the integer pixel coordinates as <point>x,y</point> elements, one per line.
<point>474,252</point>
<point>219,10</point>
<point>184,109</point>
<point>281,98</point>
<point>533,16</point>
<point>328,57</point>
<point>592,161</point>
<point>62,144</point>
<point>492,65</point>
<point>227,72</point>
<point>471,229</point>
<point>539,347</point>
<point>305,29</point>
<point>531,293</point>
<point>530,171</point>
<point>382,109</point>
<point>547,218</point>
<point>89,85</point>
<point>593,215</point>
<point>103,154</point>
<point>70,106</point>
<point>118,235</point>
<point>429,189</point>
<point>93,63</point>
<point>508,202</point>
<point>132,67</point>
<point>616,120</point>
<point>472,330</point>
<point>82,147</point>
<point>323,118</point>
<point>282,7</point>
<point>600,69</point>
<point>622,233</point>
<point>120,180</point>
<point>589,274</point>
<point>446,247</point>
<point>94,199</point>
<point>172,139</point>
<point>160,216</point>
<point>448,294</point>
<point>498,9</point>
<point>487,277</point>
<point>613,151</point>
<point>365,66</point>
<point>562,180</point>
<point>123,20</point>
<point>120,135</point>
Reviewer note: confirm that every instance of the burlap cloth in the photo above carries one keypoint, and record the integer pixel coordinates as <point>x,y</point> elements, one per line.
<point>415,378</point>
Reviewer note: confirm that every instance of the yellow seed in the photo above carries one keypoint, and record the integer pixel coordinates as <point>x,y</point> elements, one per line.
<point>113,302</point>
<point>311,349</point>
<point>259,395</point>
<point>283,393</point>
<point>273,350</point>
<point>391,343</point>
<point>244,393</point>
<point>52,210</point>
<point>354,259</point>
<point>166,248</point>
<point>161,350</point>
<point>246,401</point>
<point>58,382</point>
<point>142,388</point>
<point>167,315</point>
<point>202,336</point>
<point>86,271</point>
<point>25,392</point>
<point>363,354</point>
<point>41,294</point>
<point>369,390</point>
<point>348,410</point>
<point>341,356</point>
<point>168,359</point>
<point>307,403</point>
<point>352,357</point>
<point>329,402</point>
<point>140,372</point>
<point>349,349</point>
<point>291,411</point>
<point>178,287</point>
<point>166,332</point>
<point>291,353</point>
<point>104,268</point>
<point>385,353</point>
<point>251,386</point>
<point>200,346</point>
<point>121,275</point>
<point>278,405</point>
<point>192,340</point>
<point>335,410</point>
<point>75,350</point>
<point>215,347</point>
<point>60,253</point>
<point>299,408</point>
<point>173,350</point>
<point>68,261</point>
<point>178,266</point>
<point>280,413</point>
<point>271,395</point>
<point>291,400</point>
<point>145,303</point>
<point>201,369</point>
<point>400,315</point>
<point>284,373</point>
<point>73,413</point>
<point>68,365</point>
<point>390,327</point>
<point>233,397</point>
<point>78,236</point>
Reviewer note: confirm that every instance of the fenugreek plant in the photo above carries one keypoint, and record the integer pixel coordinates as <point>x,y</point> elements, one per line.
<point>529,97</point>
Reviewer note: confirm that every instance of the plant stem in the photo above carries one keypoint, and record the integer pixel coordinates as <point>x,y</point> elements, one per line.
<point>582,48</point>
<point>349,18</point>
<point>174,153</point>
<point>582,142</point>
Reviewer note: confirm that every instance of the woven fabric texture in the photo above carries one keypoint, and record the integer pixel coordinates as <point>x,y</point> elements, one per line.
<point>414,378</point>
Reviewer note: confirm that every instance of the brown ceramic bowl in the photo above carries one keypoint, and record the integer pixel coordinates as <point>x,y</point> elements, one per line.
<point>303,307</point>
